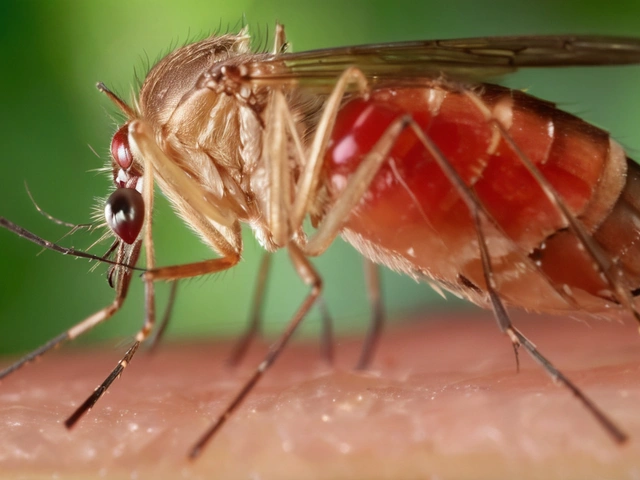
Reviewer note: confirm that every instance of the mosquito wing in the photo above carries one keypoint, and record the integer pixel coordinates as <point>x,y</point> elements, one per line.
<point>471,59</point>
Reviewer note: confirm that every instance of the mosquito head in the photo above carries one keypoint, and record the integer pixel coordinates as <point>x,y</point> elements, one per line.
<point>124,210</point>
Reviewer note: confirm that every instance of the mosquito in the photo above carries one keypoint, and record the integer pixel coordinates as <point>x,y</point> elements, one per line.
<point>400,149</point>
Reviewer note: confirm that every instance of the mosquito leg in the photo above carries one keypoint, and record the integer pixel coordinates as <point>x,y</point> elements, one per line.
<point>150,308</point>
<point>308,274</point>
<point>282,128</point>
<point>122,364</point>
<point>356,187</point>
<point>255,318</point>
<point>326,341</point>
<point>475,208</point>
<point>163,273</point>
<point>122,287</point>
<point>517,338</point>
<point>97,394</point>
<point>275,144</point>
<point>164,323</point>
<point>281,122</point>
<point>253,330</point>
<point>312,168</point>
<point>372,277</point>
<point>188,193</point>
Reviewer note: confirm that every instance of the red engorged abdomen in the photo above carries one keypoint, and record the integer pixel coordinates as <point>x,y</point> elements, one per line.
<point>415,217</point>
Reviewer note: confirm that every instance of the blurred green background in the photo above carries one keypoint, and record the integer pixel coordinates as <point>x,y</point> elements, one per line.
<point>53,53</point>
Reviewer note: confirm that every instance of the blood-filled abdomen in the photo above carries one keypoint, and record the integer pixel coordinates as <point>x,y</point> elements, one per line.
<point>413,219</point>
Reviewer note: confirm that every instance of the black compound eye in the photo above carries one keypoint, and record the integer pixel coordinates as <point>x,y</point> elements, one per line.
<point>124,212</point>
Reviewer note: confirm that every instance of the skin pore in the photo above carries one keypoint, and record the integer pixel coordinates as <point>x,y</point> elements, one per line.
<point>441,400</point>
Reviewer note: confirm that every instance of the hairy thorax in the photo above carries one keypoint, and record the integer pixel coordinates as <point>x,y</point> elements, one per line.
<point>211,125</point>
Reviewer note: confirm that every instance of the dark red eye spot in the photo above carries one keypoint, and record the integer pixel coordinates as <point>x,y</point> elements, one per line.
<point>124,212</point>
<point>120,150</point>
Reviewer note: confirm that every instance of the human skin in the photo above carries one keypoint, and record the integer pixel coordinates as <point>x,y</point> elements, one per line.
<point>441,400</point>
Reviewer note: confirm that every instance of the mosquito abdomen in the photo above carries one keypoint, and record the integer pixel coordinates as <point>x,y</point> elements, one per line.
<point>413,219</point>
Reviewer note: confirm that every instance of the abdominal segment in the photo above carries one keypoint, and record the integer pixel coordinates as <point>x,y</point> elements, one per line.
<point>413,219</point>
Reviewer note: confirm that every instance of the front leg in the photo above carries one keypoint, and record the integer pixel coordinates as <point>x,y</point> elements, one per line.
<point>200,213</point>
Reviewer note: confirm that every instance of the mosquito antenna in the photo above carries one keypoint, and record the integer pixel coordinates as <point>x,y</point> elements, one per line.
<point>126,109</point>
<point>74,227</point>
<point>32,237</point>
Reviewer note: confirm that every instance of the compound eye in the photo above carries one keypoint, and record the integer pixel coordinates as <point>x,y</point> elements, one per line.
<point>120,150</point>
<point>124,212</point>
